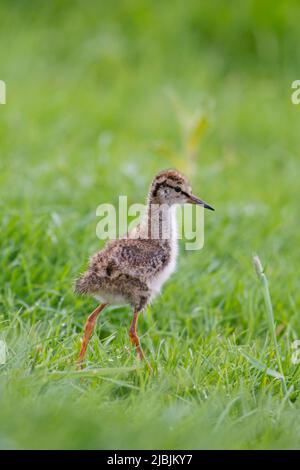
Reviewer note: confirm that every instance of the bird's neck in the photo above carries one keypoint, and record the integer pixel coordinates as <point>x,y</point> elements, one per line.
<point>159,222</point>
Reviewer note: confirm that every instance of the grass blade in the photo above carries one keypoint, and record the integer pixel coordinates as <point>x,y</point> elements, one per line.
<point>270,315</point>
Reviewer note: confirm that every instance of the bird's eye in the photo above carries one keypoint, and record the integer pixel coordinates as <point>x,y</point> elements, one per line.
<point>177,189</point>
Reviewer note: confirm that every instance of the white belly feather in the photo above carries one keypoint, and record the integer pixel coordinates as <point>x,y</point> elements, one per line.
<point>157,282</point>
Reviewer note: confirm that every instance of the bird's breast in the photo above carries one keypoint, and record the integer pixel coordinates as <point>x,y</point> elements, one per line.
<point>155,284</point>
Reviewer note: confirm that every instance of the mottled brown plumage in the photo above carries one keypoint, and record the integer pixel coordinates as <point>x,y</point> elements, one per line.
<point>123,269</point>
<point>132,269</point>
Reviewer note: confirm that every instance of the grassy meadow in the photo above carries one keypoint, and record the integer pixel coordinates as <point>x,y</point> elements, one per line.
<point>100,97</point>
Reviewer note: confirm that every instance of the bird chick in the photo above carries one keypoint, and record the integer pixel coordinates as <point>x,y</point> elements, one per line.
<point>131,270</point>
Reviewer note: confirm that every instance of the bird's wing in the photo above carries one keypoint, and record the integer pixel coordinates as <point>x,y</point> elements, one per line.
<point>137,258</point>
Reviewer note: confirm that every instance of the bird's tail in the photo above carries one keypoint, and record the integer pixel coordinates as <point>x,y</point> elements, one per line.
<point>87,283</point>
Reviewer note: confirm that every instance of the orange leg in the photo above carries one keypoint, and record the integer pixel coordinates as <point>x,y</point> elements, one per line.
<point>88,330</point>
<point>134,337</point>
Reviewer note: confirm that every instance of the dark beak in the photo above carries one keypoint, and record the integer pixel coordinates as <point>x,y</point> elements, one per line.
<point>195,200</point>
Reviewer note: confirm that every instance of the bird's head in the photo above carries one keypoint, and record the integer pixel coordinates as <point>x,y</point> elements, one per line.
<point>171,187</point>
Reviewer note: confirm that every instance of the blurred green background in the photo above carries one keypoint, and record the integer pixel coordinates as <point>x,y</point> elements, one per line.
<point>100,96</point>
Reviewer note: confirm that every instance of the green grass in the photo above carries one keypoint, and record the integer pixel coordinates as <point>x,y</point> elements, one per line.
<point>89,117</point>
